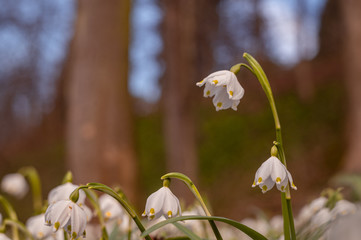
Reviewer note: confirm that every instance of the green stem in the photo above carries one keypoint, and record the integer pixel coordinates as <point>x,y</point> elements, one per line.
<point>19,225</point>
<point>286,198</point>
<point>198,196</point>
<point>105,189</point>
<point>286,222</point>
<point>12,216</point>
<point>292,224</point>
<point>35,184</point>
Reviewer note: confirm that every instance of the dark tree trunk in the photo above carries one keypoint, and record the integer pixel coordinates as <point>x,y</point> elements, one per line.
<point>100,142</point>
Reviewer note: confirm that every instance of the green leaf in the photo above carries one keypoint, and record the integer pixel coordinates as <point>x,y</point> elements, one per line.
<point>250,232</point>
<point>186,231</point>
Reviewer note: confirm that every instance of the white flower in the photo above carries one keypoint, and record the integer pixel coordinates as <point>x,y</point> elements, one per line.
<point>321,218</point>
<point>63,192</point>
<point>110,208</point>
<point>270,172</point>
<point>37,228</point>
<point>15,185</point>
<point>310,210</point>
<point>225,88</point>
<point>343,207</point>
<point>67,215</point>
<point>4,237</point>
<point>162,202</point>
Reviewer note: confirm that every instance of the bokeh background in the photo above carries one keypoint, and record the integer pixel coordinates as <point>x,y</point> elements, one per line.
<point>107,90</point>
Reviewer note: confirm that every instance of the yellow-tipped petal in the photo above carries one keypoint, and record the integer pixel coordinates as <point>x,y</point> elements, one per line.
<point>259,180</point>
<point>215,81</point>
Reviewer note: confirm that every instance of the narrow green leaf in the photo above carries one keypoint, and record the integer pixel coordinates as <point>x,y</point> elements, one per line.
<point>186,231</point>
<point>250,232</point>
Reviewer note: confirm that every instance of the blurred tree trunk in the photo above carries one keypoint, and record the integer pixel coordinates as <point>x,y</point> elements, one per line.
<point>351,10</point>
<point>100,144</point>
<point>187,56</point>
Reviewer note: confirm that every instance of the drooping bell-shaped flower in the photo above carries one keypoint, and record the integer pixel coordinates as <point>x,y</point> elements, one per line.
<point>37,228</point>
<point>225,88</point>
<point>162,203</point>
<point>67,215</point>
<point>62,192</point>
<point>15,185</point>
<point>110,208</point>
<point>272,172</point>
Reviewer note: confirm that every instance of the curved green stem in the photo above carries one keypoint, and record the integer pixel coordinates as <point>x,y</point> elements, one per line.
<point>32,175</point>
<point>19,225</point>
<point>286,198</point>
<point>105,189</point>
<point>198,196</point>
<point>12,216</point>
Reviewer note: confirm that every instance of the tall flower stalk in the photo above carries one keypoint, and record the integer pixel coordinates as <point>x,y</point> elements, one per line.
<point>256,69</point>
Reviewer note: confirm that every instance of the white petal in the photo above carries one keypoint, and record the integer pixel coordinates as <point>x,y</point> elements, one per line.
<point>235,104</point>
<point>37,228</point>
<point>219,75</point>
<point>59,212</point>
<point>343,207</point>
<point>264,171</point>
<point>291,180</point>
<point>267,185</point>
<point>62,192</point>
<point>155,202</point>
<point>278,173</point>
<point>282,185</point>
<point>78,220</point>
<point>171,204</point>
<point>110,206</point>
<point>209,90</point>
<point>234,88</point>
<point>221,100</point>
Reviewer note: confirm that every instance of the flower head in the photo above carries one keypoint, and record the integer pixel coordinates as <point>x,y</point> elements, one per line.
<point>15,185</point>
<point>111,208</point>
<point>67,215</point>
<point>63,192</point>
<point>37,228</point>
<point>225,88</point>
<point>162,203</point>
<point>270,172</point>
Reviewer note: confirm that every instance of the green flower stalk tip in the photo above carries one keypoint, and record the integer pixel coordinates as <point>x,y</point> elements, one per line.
<point>235,68</point>
<point>74,196</point>
<point>274,151</point>
<point>166,182</point>
<point>68,177</point>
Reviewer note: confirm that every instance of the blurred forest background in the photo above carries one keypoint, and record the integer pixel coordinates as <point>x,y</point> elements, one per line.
<point>107,90</point>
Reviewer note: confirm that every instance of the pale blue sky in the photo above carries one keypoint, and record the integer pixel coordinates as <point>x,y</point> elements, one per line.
<point>146,42</point>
